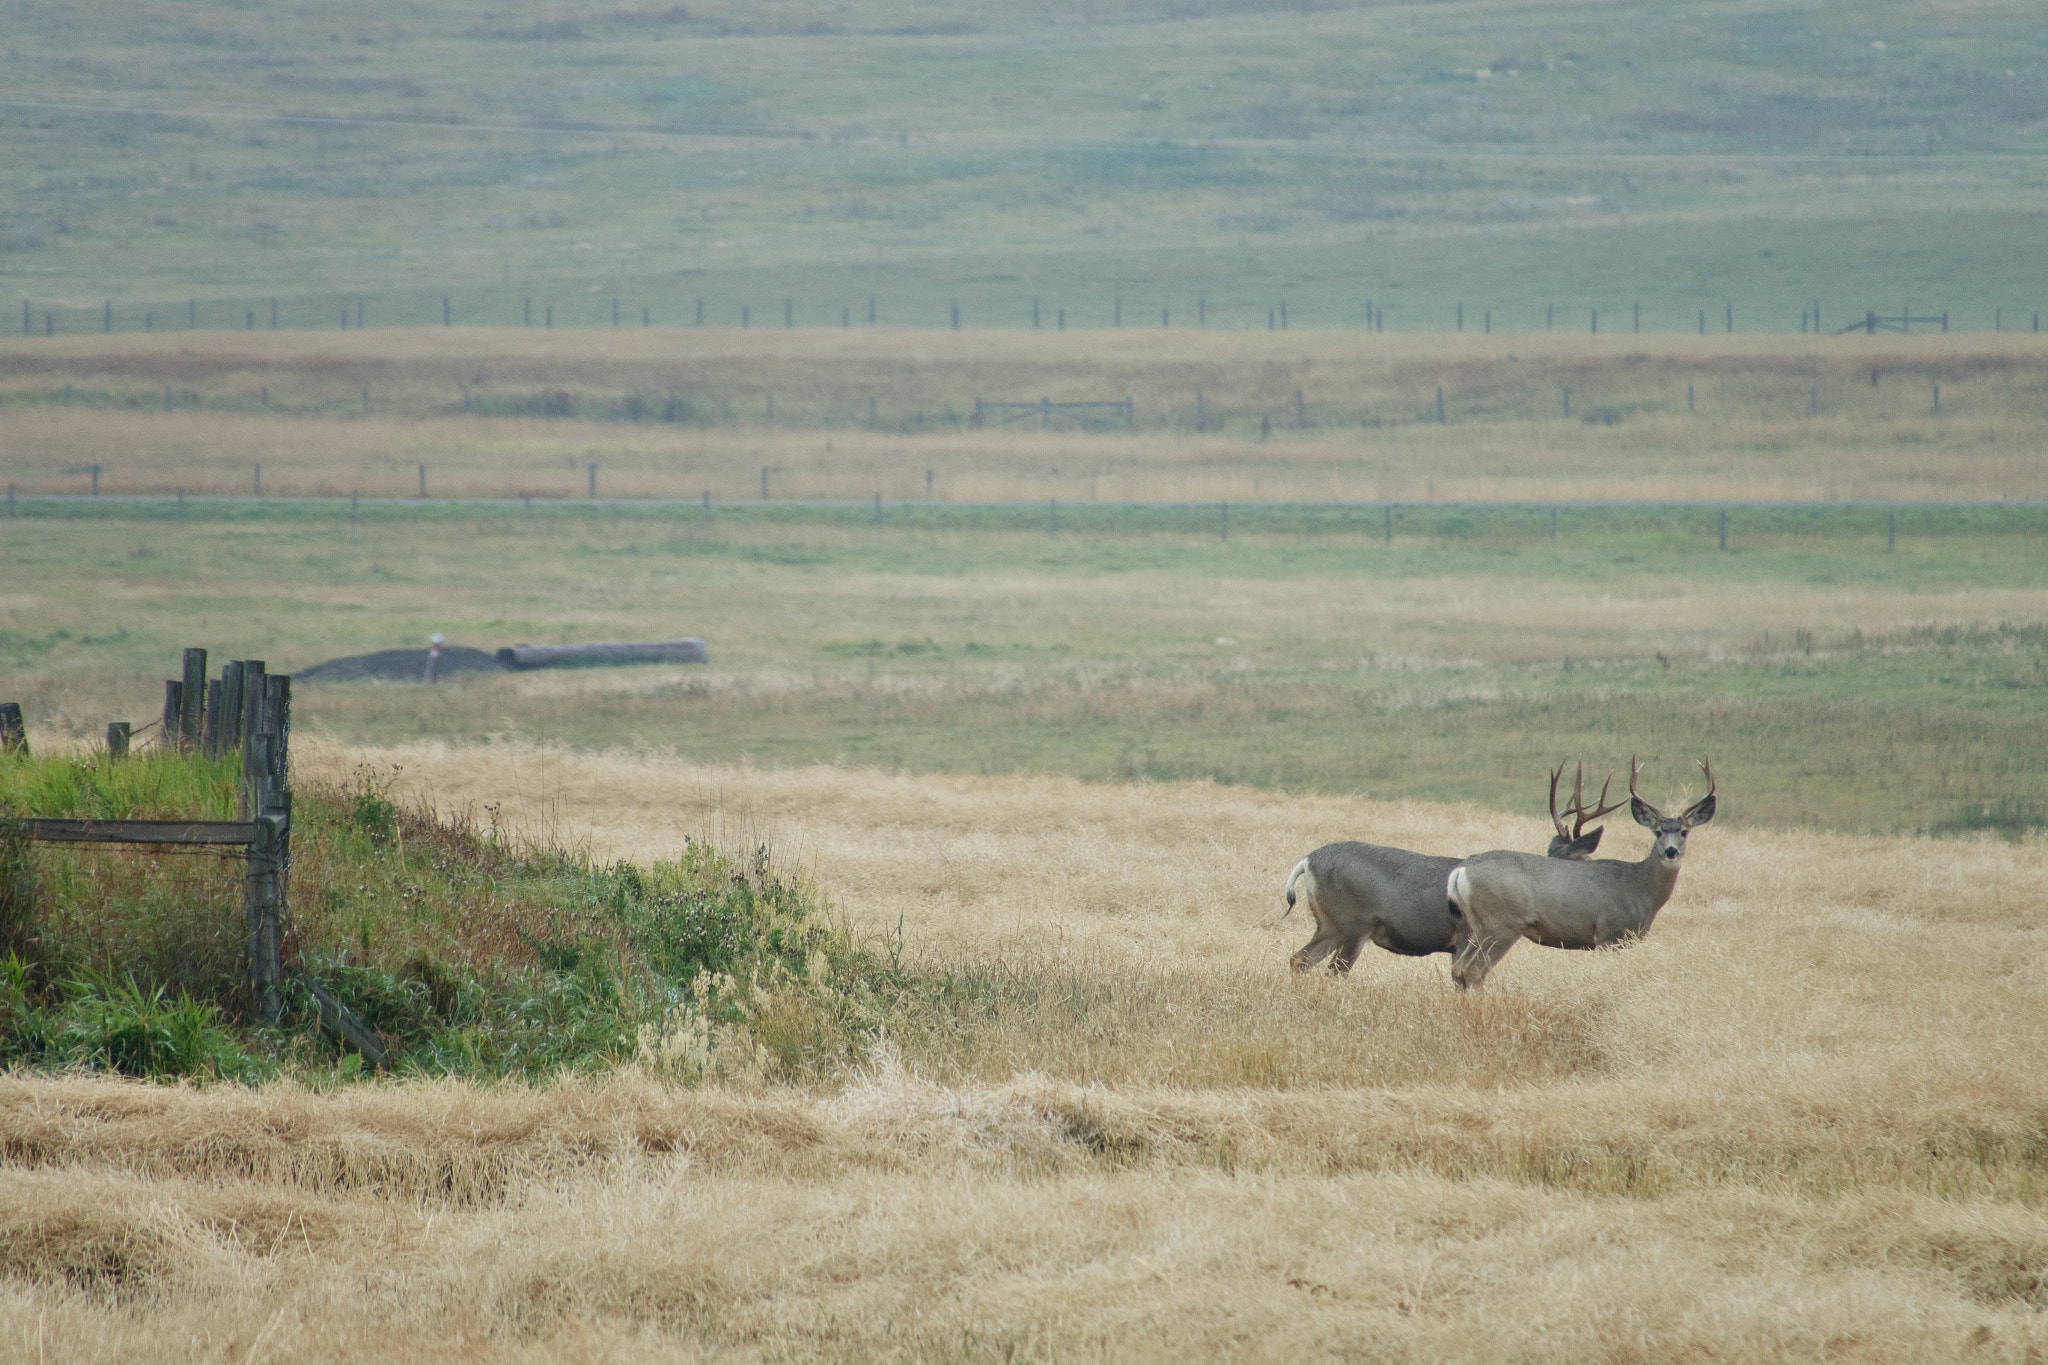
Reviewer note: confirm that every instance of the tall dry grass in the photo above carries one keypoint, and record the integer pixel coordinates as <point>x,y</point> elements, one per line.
<point>1806,1118</point>
<point>1371,433</point>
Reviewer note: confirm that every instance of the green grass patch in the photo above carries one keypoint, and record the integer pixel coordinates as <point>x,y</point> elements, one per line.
<point>468,955</point>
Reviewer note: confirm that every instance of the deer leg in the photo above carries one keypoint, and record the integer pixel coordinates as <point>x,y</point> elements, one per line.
<point>1477,955</point>
<point>1316,949</point>
<point>1347,955</point>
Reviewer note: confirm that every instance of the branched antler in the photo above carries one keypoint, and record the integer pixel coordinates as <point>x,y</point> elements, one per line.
<point>1581,817</point>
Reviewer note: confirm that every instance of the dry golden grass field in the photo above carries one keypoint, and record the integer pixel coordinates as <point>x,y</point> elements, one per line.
<point>498,412</point>
<point>1807,1119</point>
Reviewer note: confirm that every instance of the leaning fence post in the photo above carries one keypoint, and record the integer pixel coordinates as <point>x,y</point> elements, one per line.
<point>13,733</point>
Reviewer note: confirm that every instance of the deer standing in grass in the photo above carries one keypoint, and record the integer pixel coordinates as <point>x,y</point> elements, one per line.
<point>1396,898</point>
<point>1502,897</point>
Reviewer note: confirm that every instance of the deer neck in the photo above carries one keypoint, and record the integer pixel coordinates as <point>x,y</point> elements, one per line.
<point>1658,878</point>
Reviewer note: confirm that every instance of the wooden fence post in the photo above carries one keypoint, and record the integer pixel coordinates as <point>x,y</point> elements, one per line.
<point>230,740</point>
<point>252,723</point>
<point>167,729</point>
<point>117,740</point>
<point>192,700</point>
<point>209,739</point>
<point>13,733</point>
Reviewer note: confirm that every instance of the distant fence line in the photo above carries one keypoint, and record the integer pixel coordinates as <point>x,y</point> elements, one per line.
<point>716,408</point>
<point>502,308</point>
<point>1725,521</point>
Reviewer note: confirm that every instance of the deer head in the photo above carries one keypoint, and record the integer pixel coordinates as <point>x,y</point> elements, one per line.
<point>1669,845</point>
<point>1577,842</point>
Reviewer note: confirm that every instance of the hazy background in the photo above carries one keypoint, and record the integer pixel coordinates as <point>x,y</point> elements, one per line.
<point>1212,159</point>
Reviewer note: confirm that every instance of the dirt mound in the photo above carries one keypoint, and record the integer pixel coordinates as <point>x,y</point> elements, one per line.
<point>400,665</point>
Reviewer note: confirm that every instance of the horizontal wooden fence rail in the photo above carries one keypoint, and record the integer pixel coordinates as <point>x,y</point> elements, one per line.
<point>66,830</point>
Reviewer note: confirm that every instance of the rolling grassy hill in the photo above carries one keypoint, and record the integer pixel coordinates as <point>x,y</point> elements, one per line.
<point>189,162</point>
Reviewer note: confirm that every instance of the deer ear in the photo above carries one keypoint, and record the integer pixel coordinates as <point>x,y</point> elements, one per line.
<point>1700,813</point>
<point>1581,847</point>
<point>1646,814</point>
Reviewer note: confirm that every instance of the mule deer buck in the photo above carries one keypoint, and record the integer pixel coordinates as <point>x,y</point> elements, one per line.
<point>1502,897</point>
<point>1396,898</point>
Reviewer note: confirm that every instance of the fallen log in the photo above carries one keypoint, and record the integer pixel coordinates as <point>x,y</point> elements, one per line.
<point>600,655</point>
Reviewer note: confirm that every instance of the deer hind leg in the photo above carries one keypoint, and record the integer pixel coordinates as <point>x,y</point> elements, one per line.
<point>1475,948</point>
<point>1478,954</point>
<point>1326,941</point>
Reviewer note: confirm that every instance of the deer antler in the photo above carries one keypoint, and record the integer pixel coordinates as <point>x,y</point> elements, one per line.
<point>1600,807</point>
<point>1581,817</point>
<point>1555,818</point>
<point>1707,767</point>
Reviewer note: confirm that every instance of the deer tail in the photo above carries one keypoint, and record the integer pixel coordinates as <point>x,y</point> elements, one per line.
<point>1459,889</point>
<point>1300,871</point>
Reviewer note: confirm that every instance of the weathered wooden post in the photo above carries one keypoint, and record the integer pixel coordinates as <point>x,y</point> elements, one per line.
<point>269,807</point>
<point>231,701</point>
<point>167,728</point>
<point>13,732</point>
<point>192,700</point>
<point>252,716</point>
<point>209,739</point>
<point>117,740</point>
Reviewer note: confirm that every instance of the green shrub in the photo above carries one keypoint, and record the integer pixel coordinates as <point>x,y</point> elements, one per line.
<point>466,955</point>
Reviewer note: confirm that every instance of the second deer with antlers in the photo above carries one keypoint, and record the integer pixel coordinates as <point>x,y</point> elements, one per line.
<point>1502,897</point>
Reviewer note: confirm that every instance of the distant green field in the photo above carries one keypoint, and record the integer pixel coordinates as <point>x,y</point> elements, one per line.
<point>1178,164</point>
<point>1835,683</point>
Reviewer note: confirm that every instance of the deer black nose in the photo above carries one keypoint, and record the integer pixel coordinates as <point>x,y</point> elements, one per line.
<point>1672,851</point>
